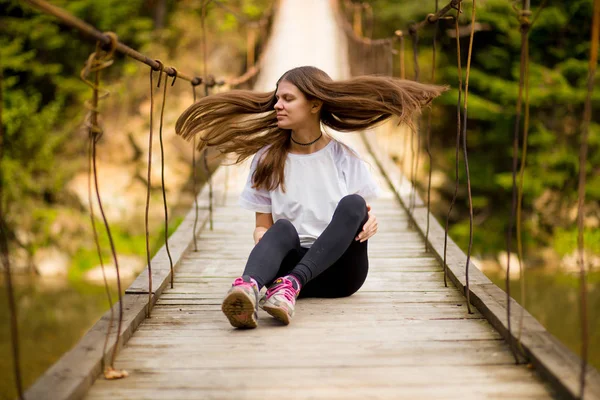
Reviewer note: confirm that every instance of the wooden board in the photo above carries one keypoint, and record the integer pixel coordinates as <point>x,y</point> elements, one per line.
<point>403,335</point>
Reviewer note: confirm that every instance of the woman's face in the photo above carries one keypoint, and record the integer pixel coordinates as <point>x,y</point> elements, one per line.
<point>293,109</point>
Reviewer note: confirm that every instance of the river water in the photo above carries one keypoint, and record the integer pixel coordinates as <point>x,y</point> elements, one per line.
<point>52,316</point>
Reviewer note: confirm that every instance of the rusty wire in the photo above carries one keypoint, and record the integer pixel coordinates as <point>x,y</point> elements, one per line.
<point>458,134</point>
<point>162,170</point>
<point>206,93</point>
<point>148,188</point>
<point>195,182</point>
<point>97,61</point>
<point>465,156</point>
<point>105,40</point>
<point>98,248</point>
<point>414,34</point>
<point>439,14</point>
<point>583,150</point>
<point>521,182</point>
<point>525,25</point>
<point>14,327</point>
<point>428,134</point>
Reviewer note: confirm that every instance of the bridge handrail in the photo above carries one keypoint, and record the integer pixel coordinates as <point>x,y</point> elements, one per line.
<point>549,357</point>
<point>75,372</point>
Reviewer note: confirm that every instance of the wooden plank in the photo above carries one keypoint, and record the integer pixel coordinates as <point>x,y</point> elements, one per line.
<point>555,362</point>
<point>74,373</point>
<point>256,381</point>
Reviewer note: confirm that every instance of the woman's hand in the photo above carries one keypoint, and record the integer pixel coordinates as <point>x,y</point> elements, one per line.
<point>258,234</point>
<point>370,227</point>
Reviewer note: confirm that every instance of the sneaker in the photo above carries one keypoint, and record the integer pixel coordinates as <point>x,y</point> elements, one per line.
<point>280,299</point>
<point>240,305</point>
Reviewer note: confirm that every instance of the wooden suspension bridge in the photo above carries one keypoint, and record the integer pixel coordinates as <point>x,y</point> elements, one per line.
<point>405,334</point>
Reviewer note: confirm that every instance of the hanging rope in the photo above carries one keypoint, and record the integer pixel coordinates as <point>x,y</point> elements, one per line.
<point>148,188</point>
<point>206,93</point>
<point>583,150</point>
<point>162,169</point>
<point>414,34</point>
<point>520,187</point>
<point>195,180</point>
<point>12,307</point>
<point>524,15</point>
<point>99,249</point>
<point>428,144</point>
<point>464,138</point>
<point>97,61</point>
<point>458,131</point>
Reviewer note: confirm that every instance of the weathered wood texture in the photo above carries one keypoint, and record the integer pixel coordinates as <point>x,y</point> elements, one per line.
<point>552,359</point>
<point>403,335</point>
<point>73,374</point>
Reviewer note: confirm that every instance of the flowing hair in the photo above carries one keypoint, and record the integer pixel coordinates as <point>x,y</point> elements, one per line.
<point>241,122</point>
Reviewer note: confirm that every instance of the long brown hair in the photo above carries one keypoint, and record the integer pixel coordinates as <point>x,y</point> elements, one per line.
<point>241,122</point>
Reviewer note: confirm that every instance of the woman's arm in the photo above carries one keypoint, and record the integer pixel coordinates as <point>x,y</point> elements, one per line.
<point>263,222</point>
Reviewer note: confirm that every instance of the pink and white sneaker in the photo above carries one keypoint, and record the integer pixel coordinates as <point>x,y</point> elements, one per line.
<point>280,299</point>
<point>240,305</point>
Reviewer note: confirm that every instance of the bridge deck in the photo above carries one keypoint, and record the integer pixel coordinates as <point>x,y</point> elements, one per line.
<point>403,335</point>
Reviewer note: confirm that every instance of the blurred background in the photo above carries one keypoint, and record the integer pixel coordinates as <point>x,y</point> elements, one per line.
<point>59,286</point>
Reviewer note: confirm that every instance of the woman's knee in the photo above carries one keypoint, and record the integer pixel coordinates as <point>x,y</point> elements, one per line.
<point>283,230</point>
<point>353,205</point>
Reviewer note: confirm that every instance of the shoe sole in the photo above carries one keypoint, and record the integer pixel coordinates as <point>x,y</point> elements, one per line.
<point>239,310</point>
<point>278,313</point>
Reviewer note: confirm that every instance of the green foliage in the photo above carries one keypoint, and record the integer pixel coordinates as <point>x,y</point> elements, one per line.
<point>43,97</point>
<point>564,241</point>
<point>559,52</point>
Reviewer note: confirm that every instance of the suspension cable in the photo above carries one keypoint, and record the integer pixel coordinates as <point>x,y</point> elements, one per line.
<point>162,171</point>
<point>95,63</point>
<point>428,135</point>
<point>525,25</point>
<point>14,327</point>
<point>104,39</point>
<point>206,93</point>
<point>520,188</point>
<point>465,156</point>
<point>583,150</point>
<point>458,134</point>
<point>195,182</point>
<point>148,188</point>
<point>414,34</point>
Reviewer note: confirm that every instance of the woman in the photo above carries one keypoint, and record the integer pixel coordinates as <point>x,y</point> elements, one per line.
<point>307,189</point>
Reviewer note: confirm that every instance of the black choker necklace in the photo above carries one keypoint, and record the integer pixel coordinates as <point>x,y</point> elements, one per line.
<point>306,144</point>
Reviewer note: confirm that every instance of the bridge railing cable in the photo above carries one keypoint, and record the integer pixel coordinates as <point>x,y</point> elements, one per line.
<point>524,15</point>
<point>5,261</point>
<point>107,44</point>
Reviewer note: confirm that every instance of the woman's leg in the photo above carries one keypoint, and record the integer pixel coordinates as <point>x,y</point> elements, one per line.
<point>278,246</point>
<point>277,250</point>
<point>344,277</point>
<point>347,221</point>
<point>335,246</point>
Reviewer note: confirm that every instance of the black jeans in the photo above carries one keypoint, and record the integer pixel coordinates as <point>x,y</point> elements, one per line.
<point>335,265</point>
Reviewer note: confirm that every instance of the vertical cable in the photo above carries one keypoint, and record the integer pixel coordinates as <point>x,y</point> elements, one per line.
<point>414,34</point>
<point>98,248</point>
<point>162,172</point>
<point>148,188</point>
<point>14,328</point>
<point>195,179</point>
<point>458,131</point>
<point>464,138</point>
<point>206,93</point>
<point>524,15</point>
<point>583,150</point>
<point>433,68</point>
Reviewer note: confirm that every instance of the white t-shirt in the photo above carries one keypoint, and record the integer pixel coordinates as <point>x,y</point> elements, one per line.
<point>315,183</point>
